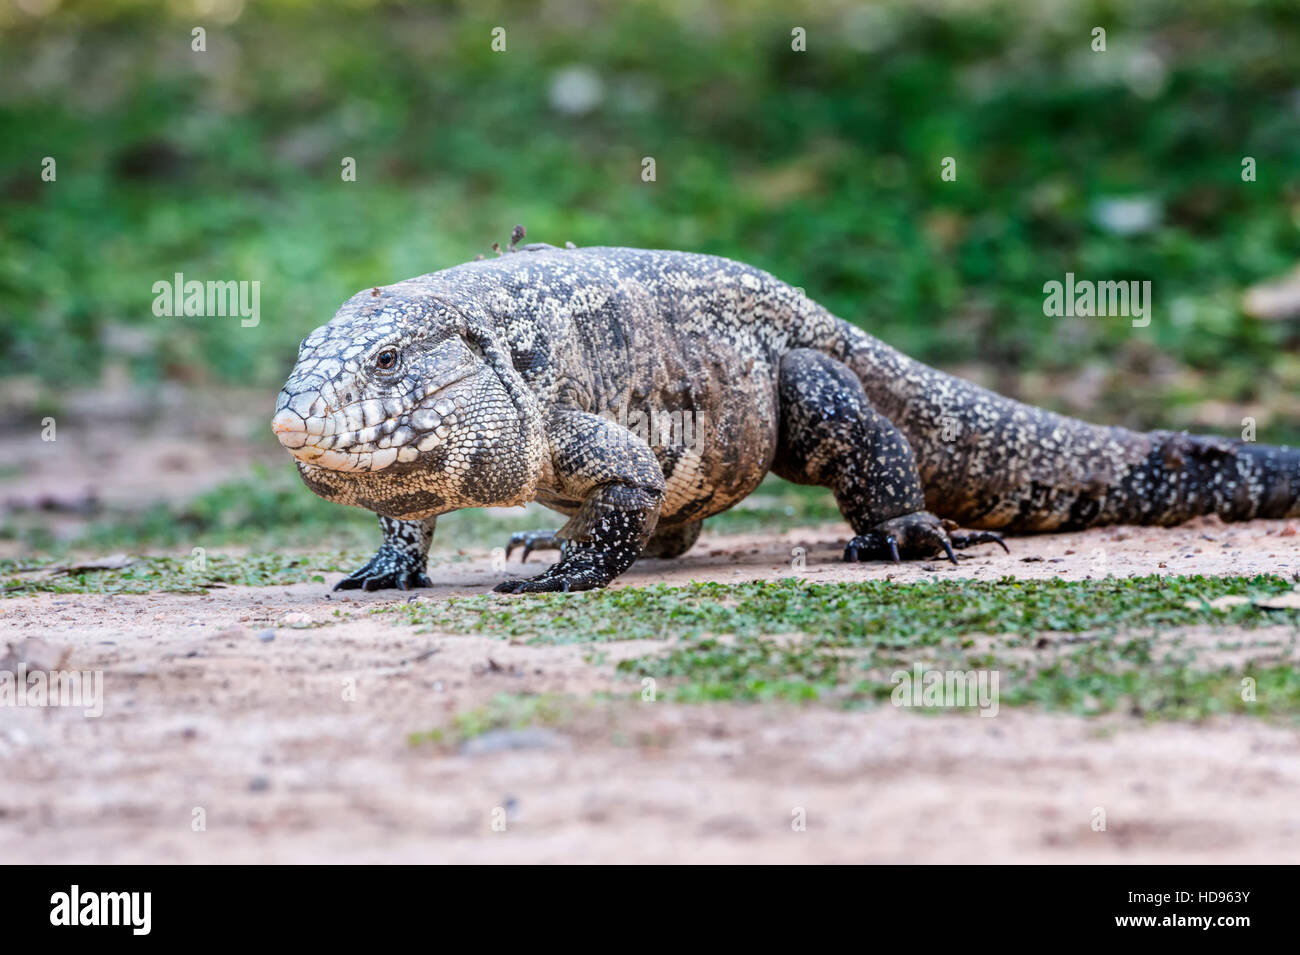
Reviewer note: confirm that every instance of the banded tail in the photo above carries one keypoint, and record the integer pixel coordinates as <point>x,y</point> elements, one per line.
<point>987,461</point>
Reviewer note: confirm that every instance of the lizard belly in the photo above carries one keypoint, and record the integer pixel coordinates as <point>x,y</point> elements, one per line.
<point>725,453</point>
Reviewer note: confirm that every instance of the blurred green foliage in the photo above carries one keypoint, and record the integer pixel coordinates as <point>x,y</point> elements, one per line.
<point>820,166</point>
<point>271,511</point>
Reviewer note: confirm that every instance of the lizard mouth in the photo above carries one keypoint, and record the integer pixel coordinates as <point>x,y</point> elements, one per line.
<point>306,447</point>
<point>350,451</point>
<point>396,439</point>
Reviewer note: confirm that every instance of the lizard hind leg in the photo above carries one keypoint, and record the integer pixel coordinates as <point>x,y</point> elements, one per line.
<point>831,436</point>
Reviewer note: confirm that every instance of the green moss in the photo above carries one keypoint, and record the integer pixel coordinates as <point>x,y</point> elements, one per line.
<point>171,574</point>
<point>503,711</point>
<point>842,643</point>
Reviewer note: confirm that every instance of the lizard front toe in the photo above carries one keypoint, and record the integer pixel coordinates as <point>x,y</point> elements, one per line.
<point>919,534</point>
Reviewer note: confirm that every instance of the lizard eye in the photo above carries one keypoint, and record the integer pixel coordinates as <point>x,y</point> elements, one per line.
<point>387,358</point>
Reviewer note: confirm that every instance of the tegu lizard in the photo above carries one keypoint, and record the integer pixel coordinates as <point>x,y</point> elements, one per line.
<point>640,392</point>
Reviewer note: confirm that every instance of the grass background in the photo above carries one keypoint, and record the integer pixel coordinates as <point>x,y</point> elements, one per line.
<point>821,166</point>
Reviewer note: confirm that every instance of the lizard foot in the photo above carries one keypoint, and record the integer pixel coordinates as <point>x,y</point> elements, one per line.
<point>919,534</point>
<point>389,568</point>
<point>534,540</point>
<point>566,576</point>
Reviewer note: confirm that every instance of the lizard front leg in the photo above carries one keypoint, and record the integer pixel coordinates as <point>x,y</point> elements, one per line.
<point>400,561</point>
<point>621,486</point>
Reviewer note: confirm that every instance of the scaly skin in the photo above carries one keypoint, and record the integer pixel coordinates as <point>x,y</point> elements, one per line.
<point>531,377</point>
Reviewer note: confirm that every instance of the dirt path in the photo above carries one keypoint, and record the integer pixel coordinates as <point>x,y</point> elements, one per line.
<point>296,748</point>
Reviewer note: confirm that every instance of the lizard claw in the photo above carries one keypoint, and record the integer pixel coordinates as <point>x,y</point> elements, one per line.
<point>387,569</point>
<point>979,537</point>
<point>572,573</point>
<point>874,545</point>
<point>919,534</point>
<point>543,584</point>
<point>531,541</point>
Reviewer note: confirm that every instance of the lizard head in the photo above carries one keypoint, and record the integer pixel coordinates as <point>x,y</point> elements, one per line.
<point>398,405</point>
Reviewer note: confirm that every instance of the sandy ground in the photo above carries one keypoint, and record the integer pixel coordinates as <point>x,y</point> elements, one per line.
<point>118,449</point>
<point>218,746</point>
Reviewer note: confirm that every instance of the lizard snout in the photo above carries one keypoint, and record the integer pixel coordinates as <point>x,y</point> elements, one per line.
<point>290,428</point>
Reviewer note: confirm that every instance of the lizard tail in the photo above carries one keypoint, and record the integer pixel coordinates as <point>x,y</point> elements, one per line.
<point>987,461</point>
